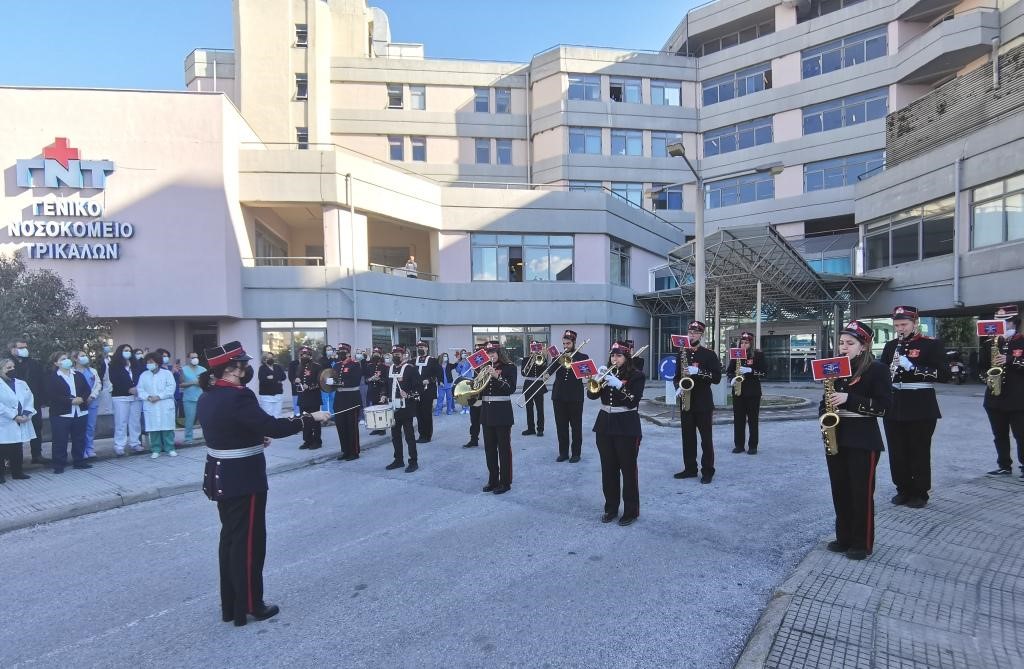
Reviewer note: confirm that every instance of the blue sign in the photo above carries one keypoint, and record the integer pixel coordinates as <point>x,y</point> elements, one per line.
<point>830,368</point>
<point>667,367</point>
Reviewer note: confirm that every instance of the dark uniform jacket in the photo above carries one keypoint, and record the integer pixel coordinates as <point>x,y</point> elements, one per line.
<point>709,372</point>
<point>751,380</point>
<point>870,395</point>
<point>231,418</point>
<point>638,363</point>
<point>430,375</point>
<point>624,423</point>
<point>347,375</point>
<point>567,388</point>
<point>308,375</point>
<point>123,379</point>
<point>410,383</point>
<point>1011,398</point>
<point>376,374</point>
<point>535,372</point>
<point>929,358</point>
<point>503,384</point>
<point>60,396</point>
<point>271,381</point>
<point>30,371</point>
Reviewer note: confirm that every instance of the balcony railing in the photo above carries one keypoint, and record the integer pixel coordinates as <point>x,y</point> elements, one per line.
<point>282,261</point>
<point>402,271</point>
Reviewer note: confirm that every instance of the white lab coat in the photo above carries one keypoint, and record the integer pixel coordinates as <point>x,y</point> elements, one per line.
<point>11,432</point>
<point>159,415</point>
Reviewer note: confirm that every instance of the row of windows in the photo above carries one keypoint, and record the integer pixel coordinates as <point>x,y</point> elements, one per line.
<point>839,172</point>
<point>741,36</point>
<point>847,111</point>
<point>921,232</point>
<point>998,210</point>
<point>481,98</point>
<point>739,190</point>
<point>396,148</point>
<point>663,196</point>
<point>845,52</point>
<point>625,89</point>
<point>518,258</point>
<point>482,149</point>
<point>812,9</point>
<point>735,137</point>
<point>623,142</point>
<point>737,84</point>
<point>502,151</point>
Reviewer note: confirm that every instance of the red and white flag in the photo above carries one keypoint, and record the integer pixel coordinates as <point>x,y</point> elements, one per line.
<point>681,341</point>
<point>831,368</point>
<point>737,354</point>
<point>996,328</point>
<point>584,368</point>
<point>478,358</point>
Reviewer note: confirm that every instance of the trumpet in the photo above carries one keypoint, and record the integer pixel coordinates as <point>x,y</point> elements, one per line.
<point>994,375</point>
<point>829,420</point>
<point>596,383</point>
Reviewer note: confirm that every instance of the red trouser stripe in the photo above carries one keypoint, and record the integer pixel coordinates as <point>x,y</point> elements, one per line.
<point>248,551</point>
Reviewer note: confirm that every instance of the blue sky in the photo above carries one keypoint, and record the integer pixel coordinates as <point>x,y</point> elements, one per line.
<point>143,43</point>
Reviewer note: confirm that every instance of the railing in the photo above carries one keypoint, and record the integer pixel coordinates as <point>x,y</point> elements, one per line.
<point>402,271</point>
<point>282,261</point>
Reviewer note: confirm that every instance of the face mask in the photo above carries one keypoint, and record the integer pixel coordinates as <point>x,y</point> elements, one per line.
<point>396,359</point>
<point>22,352</point>
<point>138,356</point>
<point>126,355</point>
<point>247,375</point>
<point>444,358</point>
<point>106,349</point>
<point>151,366</point>
<point>194,361</point>
<point>83,360</point>
<point>66,364</point>
<point>361,357</point>
<point>7,372</point>
<point>304,358</point>
<point>166,360</point>
<point>270,361</point>
<point>343,355</point>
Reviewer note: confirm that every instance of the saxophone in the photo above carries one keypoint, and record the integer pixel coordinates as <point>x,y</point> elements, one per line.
<point>829,420</point>
<point>685,384</point>
<point>737,386</point>
<point>994,375</point>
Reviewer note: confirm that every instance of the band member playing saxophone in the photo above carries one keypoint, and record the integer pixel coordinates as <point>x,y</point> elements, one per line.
<point>704,367</point>
<point>860,399</point>
<point>1005,409</point>
<point>915,362</point>
<point>746,376</point>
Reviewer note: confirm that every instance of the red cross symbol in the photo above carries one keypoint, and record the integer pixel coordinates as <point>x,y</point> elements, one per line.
<point>60,151</point>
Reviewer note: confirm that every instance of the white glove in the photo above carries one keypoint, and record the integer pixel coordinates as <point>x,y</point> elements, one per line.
<point>746,370</point>
<point>693,369</point>
<point>329,381</point>
<point>905,363</point>
<point>679,392</point>
<point>614,381</point>
<point>734,381</point>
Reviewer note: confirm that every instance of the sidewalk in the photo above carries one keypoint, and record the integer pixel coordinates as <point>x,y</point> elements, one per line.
<point>944,588</point>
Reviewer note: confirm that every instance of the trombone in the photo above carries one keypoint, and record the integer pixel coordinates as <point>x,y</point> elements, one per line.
<point>565,359</point>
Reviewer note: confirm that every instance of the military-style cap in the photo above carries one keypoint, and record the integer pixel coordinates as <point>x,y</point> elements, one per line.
<point>697,326</point>
<point>569,334</point>
<point>620,347</point>
<point>859,331</point>
<point>904,313</point>
<point>747,336</point>
<point>222,355</point>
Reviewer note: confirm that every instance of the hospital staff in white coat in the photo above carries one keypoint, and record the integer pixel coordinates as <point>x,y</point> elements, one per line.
<point>156,390</point>
<point>17,406</point>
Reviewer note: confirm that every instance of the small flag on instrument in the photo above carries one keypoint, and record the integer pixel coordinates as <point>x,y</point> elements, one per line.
<point>737,354</point>
<point>681,341</point>
<point>584,368</point>
<point>536,347</point>
<point>478,358</point>
<point>996,328</point>
<point>831,368</point>
<point>553,351</point>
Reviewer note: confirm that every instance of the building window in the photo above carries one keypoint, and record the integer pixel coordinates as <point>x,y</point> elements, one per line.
<point>283,339</point>
<point>584,87</point>
<point>625,89</point>
<point>483,151</point>
<point>666,93</point>
<point>502,100</point>
<point>395,96</point>
<point>736,137</point>
<point>578,186</point>
<point>418,97</point>
<point>515,339</point>
<point>747,34</point>
<point>846,52</point>
<point>812,9</point>
<point>301,34</point>
<point>998,212</point>
<point>738,84</point>
<point>667,198</point>
<point>660,142</point>
<point>270,250</point>
<point>419,149</point>
<point>633,193</point>
<point>482,100</point>
<point>619,270</point>
<point>846,111</point>
<point>301,87</point>
<point>618,333</point>
<point>627,143</point>
<point>302,138</point>
<point>517,258</point>
<point>839,172</point>
<point>396,147</point>
<point>503,151</point>
<point>585,140</point>
<point>739,190</point>
<point>924,231</point>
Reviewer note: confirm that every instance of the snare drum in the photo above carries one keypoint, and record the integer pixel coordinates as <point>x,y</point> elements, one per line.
<point>380,417</point>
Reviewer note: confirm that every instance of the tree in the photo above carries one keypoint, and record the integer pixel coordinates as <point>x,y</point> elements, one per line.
<point>43,308</point>
<point>957,332</point>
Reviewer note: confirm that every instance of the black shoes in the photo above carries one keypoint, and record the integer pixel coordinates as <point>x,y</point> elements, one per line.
<point>540,433</point>
<point>685,475</point>
<point>856,554</point>
<point>574,458</point>
<point>81,465</point>
<point>995,472</point>
<point>58,470</point>
<point>502,489</point>
<point>395,465</point>
<point>626,520</point>
<point>738,449</point>
<point>836,547</point>
<point>899,499</point>
<point>472,443</point>
<point>706,478</point>
<point>262,612</point>
<point>751,451</point>
<point>609,517</point>
<point>561,458</point>
<point>490,487</point>
<point>529,431</point>
<point>421,440</point>
<point>378,433</point>
<point>412,467</point>
<point>304,446</point>
<point>41,461</point>
<point>313,447</point>
<point>916,502</point>
<point>346,458</point>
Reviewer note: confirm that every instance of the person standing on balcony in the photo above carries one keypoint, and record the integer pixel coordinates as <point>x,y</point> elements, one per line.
<point>411,268</point>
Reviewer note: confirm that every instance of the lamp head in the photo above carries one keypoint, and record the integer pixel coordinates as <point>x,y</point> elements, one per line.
<point>676,150</point>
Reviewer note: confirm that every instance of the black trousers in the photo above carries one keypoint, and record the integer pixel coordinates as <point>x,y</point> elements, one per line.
<point>498,448</point>
<point>693,422</point>
<point>347,425</point>
<point>745,412</point>
<point>425,418</point>
<point>474,422</point>
<point>536,403</point>
<point>11,453</point>
<point>569,417</point>
<point>243,550</point>
<point>403,426</point>
<point>1003,422</point>
<point>910,455</point>
<point>618,463</point>
<point>311,433</point>
<point>851,473</point>
<point>36,445</point>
